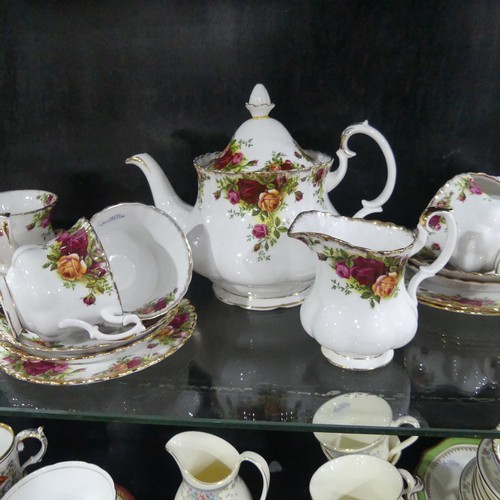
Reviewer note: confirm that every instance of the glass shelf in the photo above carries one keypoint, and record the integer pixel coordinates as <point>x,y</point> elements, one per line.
<point>260,370</point>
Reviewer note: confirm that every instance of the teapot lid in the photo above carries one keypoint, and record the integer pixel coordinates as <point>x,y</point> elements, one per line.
<point>263,144</point>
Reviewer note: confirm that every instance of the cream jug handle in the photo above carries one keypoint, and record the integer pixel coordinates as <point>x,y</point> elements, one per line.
<point>261,464</point>
<point>425,272</point>
<point>344,153</point>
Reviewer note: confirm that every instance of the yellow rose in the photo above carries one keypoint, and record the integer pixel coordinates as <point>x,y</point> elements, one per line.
<point>385,285</point>
<point>270,200</point>
<point>71,267</point>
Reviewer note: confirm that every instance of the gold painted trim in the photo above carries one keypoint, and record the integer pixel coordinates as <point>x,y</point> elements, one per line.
<point>43,207</point>
<point>9,429</point>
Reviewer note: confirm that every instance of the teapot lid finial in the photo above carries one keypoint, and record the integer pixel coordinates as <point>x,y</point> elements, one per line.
<point>259,103</point>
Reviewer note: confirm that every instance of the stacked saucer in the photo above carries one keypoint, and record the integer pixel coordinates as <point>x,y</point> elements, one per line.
<point>68,305</point>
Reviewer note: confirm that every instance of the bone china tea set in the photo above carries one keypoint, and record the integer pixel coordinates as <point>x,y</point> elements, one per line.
<point>110,290</point>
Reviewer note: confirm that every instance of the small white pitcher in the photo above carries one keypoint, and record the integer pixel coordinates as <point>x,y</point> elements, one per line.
<point>359,309</point>
<point>209,466</point>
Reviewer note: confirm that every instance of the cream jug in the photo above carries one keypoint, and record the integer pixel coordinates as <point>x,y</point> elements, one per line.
<point>248,196</point>
<point>359,309</point>
<point>209,466</point>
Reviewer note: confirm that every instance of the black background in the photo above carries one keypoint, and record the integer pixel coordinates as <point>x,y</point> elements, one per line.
<point>86,84</point>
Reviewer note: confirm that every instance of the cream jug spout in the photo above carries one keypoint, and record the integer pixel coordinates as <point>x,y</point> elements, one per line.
<point>164,196</point>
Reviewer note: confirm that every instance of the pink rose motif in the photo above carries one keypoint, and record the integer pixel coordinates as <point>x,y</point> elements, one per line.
<point>259,231</point>
<point>237,157</point>
<point>134,362</point>
<point>287,165</point>
<point>299,195</point>
<point>89,300</point>
<point>76,242</point>
<point>366,271</point>
<point>35,368</point>
<point>342,270</point>
<point>250,190</point>
<point>160,304</point>
<point>435,222</point>
<point>233,197</point>
<point>49,200</point>
<point>45,222</point>
<point>97,269</point>
<point>223,161</point>
<point>474,188</point>
<point>179,320</point>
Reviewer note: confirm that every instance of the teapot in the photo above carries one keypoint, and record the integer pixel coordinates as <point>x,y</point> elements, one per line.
<point>209,466</point>
<point>248,196</point>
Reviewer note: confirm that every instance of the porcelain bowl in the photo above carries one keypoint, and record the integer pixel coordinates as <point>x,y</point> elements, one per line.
<point>64,480</point>
<point>149,255</point>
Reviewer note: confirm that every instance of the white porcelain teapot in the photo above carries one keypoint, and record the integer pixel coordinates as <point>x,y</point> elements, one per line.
<point>248,196</point>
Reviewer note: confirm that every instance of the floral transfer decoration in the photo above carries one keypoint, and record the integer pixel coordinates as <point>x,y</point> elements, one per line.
<point>41,218</point>
<point>371,277</point>
<point>460,188</point>
<point>78,258</point>
<point>163,342</point>
<point>158,305</point>
<point>232,157</point>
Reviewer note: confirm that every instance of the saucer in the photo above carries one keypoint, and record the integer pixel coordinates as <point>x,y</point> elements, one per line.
<point>441,467</point>
<point>161,343</point>
<point>393,441</point>
<point>75,345</point>
<point>451,294</point>
<point>466,481</point>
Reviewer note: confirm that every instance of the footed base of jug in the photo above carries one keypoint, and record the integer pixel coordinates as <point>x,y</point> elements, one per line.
<point>358,362</point>
<point>257,300</point>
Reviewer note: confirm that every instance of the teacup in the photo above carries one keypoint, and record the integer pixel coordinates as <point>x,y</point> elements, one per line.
<point>475,200</point>
<point>24,219</point>
<point>65,480</point>
<point>11,444</point>
<point>66,284</point>
<point>362,477</point>
<point>149,256</point>
<point>361,409</point>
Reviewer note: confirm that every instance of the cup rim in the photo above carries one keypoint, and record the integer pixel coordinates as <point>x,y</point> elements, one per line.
<point>10,430</point>
<point>27,212</point>
<point>61,465</point>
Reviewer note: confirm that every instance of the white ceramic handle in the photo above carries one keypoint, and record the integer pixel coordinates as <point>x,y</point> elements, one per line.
<point>95,333</point>
<point>261,464</point>
<point>425,272</point>
<point>413,483</point>
<point>344,153</point>
<point>404,420</point>
<point>496,265</point>
<point>27,434</point>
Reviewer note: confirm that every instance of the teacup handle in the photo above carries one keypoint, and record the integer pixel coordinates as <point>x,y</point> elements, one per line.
<point>344,154</point>
<point>405,419</point>
<point>261,464</point>
<point>413,483</point>
<point>108,316</point>
<point>425,272</point>
<point>36,434</point>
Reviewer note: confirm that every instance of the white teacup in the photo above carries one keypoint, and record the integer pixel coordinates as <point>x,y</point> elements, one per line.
<point>149,255</point>
<point>11,444</point>
<point>362,477</point>
<point>24,219</point>
<point>361,409</point>
<point>63,285</point>
<point>65,480</point>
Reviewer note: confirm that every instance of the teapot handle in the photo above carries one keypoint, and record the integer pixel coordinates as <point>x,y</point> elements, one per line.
<point>344,153</point>
<point>430,270</point>
<point>261,464</point>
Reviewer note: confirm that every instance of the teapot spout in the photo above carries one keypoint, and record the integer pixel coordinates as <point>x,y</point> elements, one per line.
<point>164,196</point>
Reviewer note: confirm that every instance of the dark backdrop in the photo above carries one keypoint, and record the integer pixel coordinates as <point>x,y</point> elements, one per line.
<point>86,84</point>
